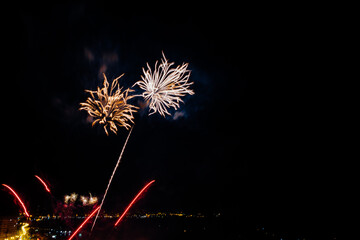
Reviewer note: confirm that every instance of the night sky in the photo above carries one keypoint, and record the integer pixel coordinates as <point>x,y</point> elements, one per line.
<point>251,143</point>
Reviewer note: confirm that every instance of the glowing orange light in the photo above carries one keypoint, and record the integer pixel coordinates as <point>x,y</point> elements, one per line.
<point>133,201</point>
<point>18,198</point>
<point>24,230</point>
<point>110,107</point>
<point>85,221</point>
<point>43,183</point>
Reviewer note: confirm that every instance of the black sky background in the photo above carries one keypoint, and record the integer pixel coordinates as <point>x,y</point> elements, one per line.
<point>251,143</point>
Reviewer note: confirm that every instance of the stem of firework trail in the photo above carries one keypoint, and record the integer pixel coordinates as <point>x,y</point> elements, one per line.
<point>113,173</point>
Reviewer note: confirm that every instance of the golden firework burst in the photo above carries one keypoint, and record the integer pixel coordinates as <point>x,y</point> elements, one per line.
<point>110,108</point>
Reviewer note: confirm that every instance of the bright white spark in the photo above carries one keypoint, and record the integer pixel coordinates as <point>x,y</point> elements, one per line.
<point>73,197</point>
<point>86,201</point>
<point>92,200</point>
<point>66,198</point>
<point>165,86</point>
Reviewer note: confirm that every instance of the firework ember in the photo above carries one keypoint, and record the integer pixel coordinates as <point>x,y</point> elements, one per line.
<point>43,183</point>
<point>133,201</point>
<point>18,198</point>
<point>110,108</point>
<point>165,86</point>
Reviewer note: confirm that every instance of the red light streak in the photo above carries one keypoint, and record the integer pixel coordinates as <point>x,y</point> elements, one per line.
<point>133,201</point>
<point>43,183</point>
<point>85,221</point>
<point>18,198</point>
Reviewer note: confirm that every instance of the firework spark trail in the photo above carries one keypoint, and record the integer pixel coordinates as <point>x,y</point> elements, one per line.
<point>116,166</point>
<point>133,201</point>
<point>18,198</point>
<point>85,221</point>
<point>43,183</point>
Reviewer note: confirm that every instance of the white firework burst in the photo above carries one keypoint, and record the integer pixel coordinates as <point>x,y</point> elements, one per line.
<point>165,86</point>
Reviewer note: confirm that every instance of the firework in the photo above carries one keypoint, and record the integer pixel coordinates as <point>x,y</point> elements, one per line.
<point>43,183</point>
<point>84,200</point>
<point>112,175</point>
<point>92,200</point>
<point>165,86</point>
<point>163,89</point>
<point>110,107</point>
<point>133,201</point>
<point>88,200</point>
<point>66,199</point>
<point>85,221</point>
<point>18,198</point>
<point>73,197</point>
